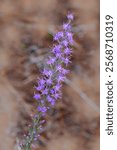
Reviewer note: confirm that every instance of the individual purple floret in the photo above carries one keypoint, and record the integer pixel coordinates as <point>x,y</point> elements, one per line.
<point>70,16</point>
<point>42,109</point>
<point>37,96</point>
<point>58,36</point>
<point>48,88</point>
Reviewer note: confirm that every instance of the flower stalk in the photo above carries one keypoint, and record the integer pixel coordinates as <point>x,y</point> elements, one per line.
<point>48,88</point>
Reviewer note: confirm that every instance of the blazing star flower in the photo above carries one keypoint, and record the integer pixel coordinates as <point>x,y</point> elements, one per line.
<point>67,51</point>
<point>41,81</point>
<point>61,78</point>
<point>57,87</point>
<point>70,16</point>
<point>58,36</point>
<point>37,96</point>
<point>65,43</point>
<point>48,90</point>
<point>57,49</point>
<point>66,26</point>
<point>51,61</point>
<point>45,91</point>
<point>66,61</point>
<point>65,71</point>
<point>59,68</point>
<point>42,109</point>
<point>70,37</point>
<point>39,87</point>
<point>49,81</point>
<point>57,96</point>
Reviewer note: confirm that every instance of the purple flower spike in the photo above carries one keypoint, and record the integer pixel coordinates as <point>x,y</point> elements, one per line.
<point>48,88</point>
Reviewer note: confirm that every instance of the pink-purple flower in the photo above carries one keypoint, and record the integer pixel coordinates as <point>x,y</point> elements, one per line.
<point>55,71</point>
<point>48,88</point>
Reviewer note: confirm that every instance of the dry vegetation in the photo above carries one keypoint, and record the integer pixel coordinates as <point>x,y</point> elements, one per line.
<point>25,35</point>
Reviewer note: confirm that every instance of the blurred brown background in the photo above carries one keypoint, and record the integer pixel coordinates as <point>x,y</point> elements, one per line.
<point>25,35</point>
